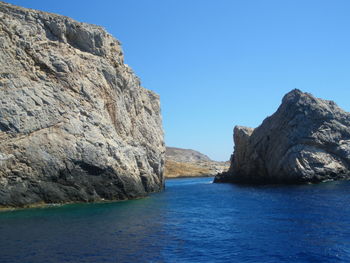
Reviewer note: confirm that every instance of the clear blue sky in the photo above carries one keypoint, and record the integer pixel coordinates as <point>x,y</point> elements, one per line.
<point>221,63</point>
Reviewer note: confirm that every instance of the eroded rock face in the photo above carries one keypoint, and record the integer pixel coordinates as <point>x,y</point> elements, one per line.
<point>75,124</point>
<point>306,140</point>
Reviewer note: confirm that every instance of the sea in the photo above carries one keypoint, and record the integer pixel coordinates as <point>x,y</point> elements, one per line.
<point>193,220</point>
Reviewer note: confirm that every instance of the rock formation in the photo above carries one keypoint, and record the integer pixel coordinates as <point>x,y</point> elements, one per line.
<point>306,140</point>
<point>189,163</point>
<point>75,124</point>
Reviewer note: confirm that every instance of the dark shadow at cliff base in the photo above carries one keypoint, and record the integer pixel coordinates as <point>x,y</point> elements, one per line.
<point>263,180</point>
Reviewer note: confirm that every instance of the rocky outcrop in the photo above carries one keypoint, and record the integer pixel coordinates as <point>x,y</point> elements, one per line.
<point>190,163</point>
<point>75,124</point>
<point>306,140</point>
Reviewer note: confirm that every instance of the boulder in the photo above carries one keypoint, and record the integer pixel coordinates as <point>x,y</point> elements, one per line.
<point>306,140</point>
<point>75,124</point>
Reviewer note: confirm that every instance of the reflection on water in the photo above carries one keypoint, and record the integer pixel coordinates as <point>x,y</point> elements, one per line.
<point>192,221</point>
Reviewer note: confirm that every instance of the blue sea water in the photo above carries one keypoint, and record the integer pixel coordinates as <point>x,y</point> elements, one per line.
<point>193,220</point>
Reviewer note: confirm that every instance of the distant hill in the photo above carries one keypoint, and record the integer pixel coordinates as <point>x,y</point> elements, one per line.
<point>190,163</point>
<point>185,155</point>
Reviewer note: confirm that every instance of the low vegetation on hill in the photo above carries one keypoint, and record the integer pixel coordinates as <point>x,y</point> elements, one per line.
<point>189,163</point>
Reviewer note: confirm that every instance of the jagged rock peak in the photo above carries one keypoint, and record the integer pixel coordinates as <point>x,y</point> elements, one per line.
<point>306,140</point>
<point>75,124</point>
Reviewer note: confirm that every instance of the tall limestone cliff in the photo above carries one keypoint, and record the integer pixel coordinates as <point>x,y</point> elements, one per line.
<point>306,140</point>
<point>75,124</point>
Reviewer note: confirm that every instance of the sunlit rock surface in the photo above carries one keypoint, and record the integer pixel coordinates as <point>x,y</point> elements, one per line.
<point>306,140</point>
<point>75,124</point>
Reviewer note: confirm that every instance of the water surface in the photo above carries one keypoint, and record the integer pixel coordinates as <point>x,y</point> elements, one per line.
<point>193,220</point>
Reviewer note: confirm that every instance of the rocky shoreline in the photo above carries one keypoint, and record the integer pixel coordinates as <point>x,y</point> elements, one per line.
<point>77,126</point>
